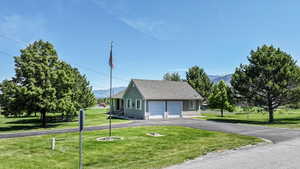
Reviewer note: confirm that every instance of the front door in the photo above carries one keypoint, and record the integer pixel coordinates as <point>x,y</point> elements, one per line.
<point>118,104</point>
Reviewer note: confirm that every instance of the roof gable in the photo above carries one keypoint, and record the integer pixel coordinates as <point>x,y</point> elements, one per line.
<point>124,92</point>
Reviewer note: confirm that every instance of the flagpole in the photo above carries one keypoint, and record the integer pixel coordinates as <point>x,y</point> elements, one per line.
<point>110,89</point>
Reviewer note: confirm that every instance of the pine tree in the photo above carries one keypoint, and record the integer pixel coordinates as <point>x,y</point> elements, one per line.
<point>271,79</point>
<point>220,98</point>
<point>199,80</point>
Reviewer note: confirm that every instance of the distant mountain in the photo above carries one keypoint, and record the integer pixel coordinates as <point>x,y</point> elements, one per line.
<point>105,92</point>
<point>217,78</point>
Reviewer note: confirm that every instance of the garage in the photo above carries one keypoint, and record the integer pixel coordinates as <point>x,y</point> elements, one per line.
<point>174,108</point>
<point>156,109</point>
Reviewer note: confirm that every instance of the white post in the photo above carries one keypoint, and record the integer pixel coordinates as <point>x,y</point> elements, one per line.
<point>165,115</point>
<point>166,111</point>
<point>53,143</point>
<point>181,110</point>
<point>146,113</point>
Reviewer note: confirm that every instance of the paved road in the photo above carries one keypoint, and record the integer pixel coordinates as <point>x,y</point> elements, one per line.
<point>283,155</point>
<point>273,134</point>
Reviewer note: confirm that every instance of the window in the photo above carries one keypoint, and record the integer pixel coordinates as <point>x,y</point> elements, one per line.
<point>192,104</point>
<point>128,103</point>
<point>138,104</point>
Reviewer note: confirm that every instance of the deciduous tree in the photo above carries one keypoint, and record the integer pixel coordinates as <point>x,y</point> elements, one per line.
<point>45,84</point>
<point>172,76</point>
<point>36,70</point>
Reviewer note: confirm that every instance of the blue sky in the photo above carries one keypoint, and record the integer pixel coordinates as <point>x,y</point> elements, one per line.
<point>151,37</point>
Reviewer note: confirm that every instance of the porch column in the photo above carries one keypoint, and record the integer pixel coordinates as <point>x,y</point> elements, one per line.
<point>146,115</point>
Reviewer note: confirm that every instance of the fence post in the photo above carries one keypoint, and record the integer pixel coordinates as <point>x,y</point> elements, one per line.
<point>81,121</point>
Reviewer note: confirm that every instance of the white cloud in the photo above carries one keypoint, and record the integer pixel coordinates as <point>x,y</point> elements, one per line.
<point>158,29</point>
<point>20,29</point>
<point>115,7</point>
<point>152,28</point>
<point>155,28</point>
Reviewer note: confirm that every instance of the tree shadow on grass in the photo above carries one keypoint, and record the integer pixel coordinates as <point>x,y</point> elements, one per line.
<point>25,121</point>
<point>30,124</point>
<point>237,121</point>
<point>276,121</point>
<point>24,127</point>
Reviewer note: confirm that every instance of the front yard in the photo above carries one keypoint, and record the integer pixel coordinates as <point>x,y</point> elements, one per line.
<point>93,117</point>
<point>285,118</point>
<point>136,150</point>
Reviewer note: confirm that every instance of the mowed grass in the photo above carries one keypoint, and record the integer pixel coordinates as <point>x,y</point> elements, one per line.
<point>285,118</point>
<point>93,117</point>
<point>135,151</point>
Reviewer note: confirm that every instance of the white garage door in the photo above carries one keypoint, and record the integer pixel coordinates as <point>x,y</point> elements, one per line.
<point>174,108</point>
<point>156,109</point>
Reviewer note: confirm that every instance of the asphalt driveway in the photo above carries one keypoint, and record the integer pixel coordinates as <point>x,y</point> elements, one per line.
<point>274,134</point>
<point>282,155</point>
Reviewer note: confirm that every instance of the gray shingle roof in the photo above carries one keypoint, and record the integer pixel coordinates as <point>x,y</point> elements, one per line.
<point>119,95</point>
<point>166,90</point>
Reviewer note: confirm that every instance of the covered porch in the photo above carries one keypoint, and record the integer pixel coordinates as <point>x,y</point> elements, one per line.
<point>117,107</point>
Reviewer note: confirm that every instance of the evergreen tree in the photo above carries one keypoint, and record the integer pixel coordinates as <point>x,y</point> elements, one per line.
<point>199,80</point>
<point>271,79</point>
<point>220,98</point>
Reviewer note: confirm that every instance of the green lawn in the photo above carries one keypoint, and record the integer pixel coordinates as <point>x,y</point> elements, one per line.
<point>135,151</point>
<point>285,118</point>
<point>94,117</point>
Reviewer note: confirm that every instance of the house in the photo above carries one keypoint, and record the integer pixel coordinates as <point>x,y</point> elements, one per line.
<point>149,99</point>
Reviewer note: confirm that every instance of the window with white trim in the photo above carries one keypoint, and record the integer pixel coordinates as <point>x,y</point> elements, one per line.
<point>192,104</point>
<point>128,103</point>
<point>138,104</point>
